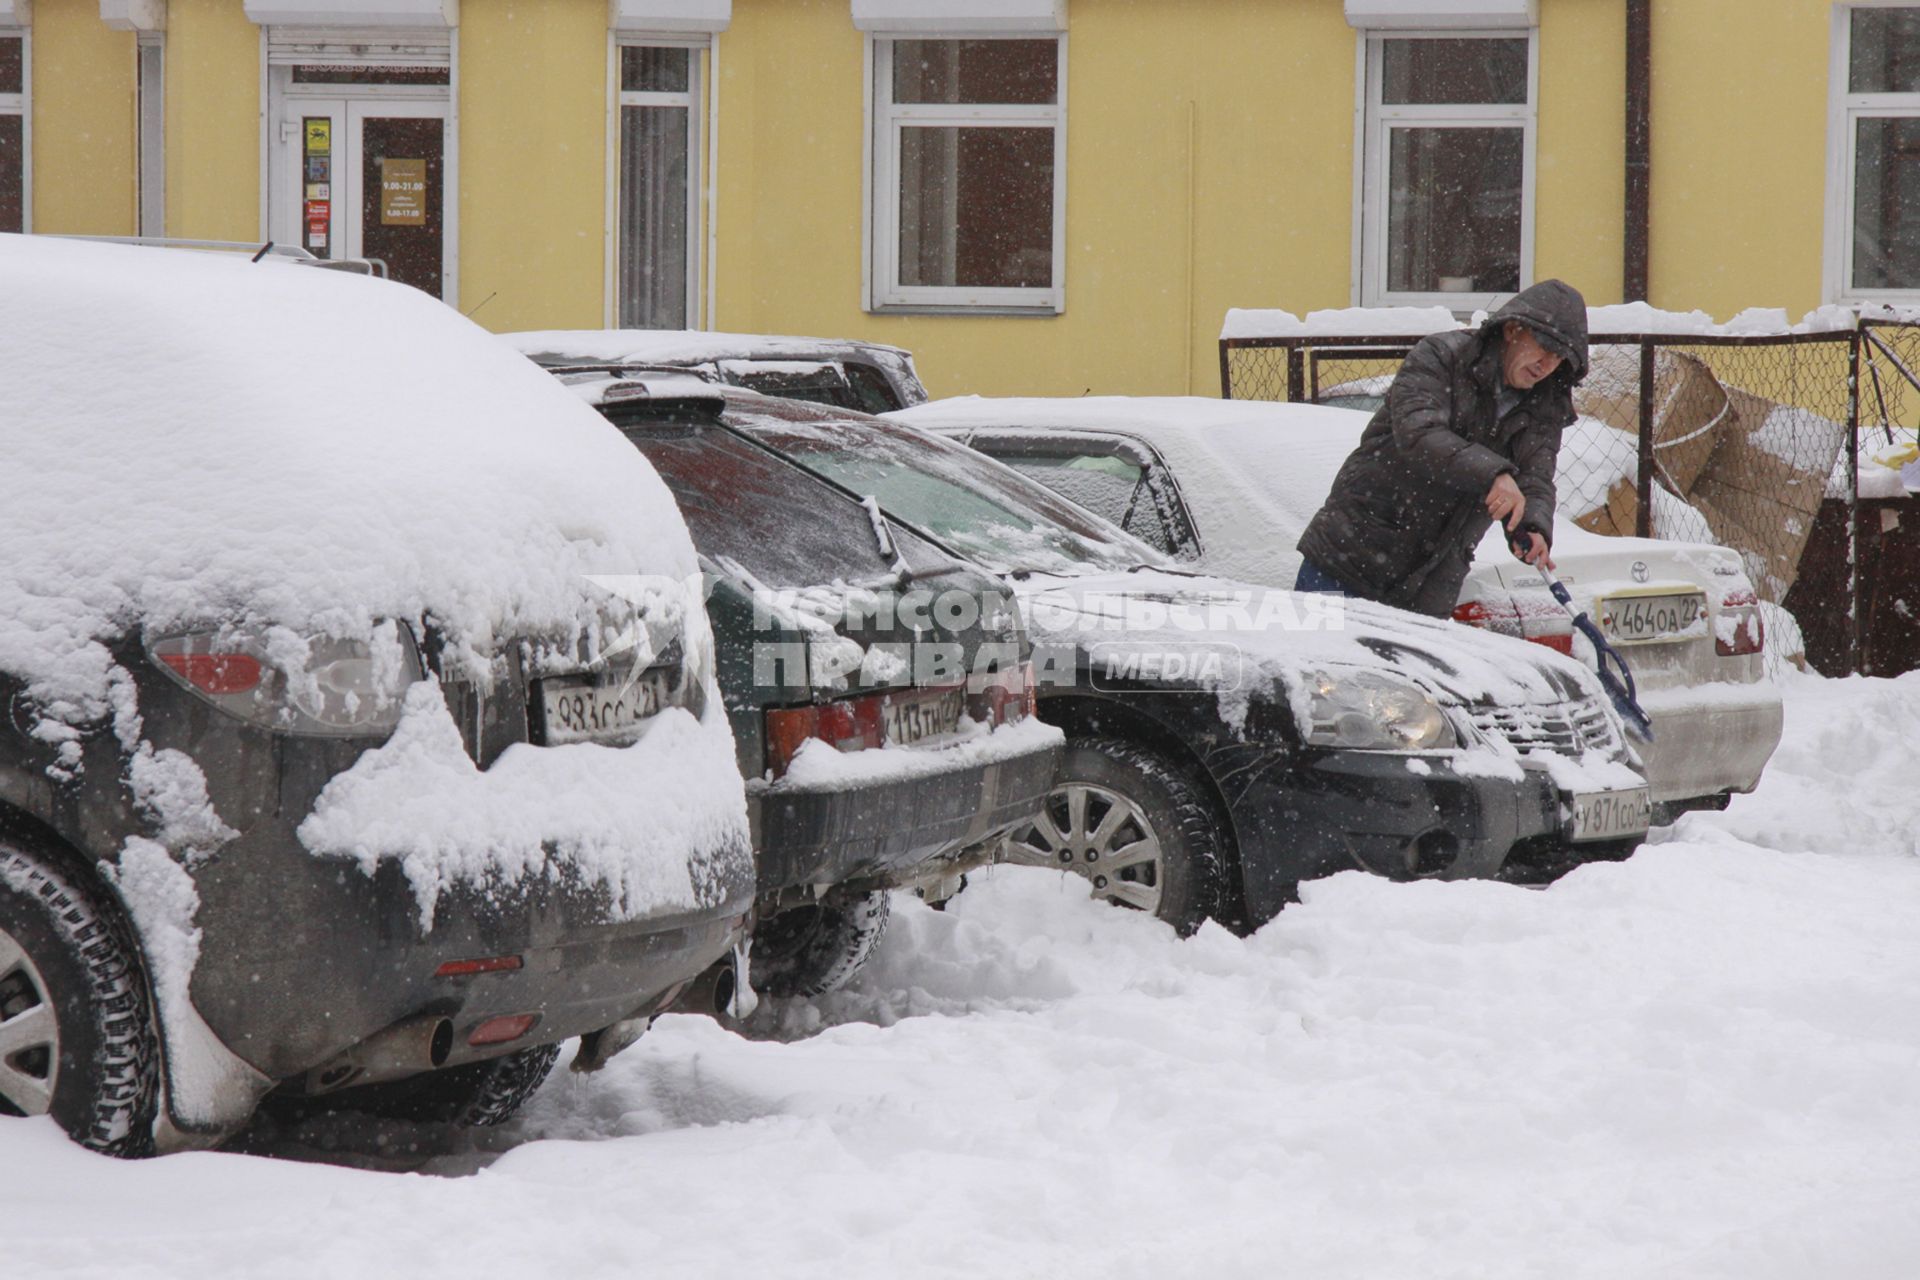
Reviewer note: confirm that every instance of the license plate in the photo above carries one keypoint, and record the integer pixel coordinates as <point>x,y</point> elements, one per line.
<point>595,708</point>
<point>1640,619</point>
<point>1610,815</point>
<point>915,719</point>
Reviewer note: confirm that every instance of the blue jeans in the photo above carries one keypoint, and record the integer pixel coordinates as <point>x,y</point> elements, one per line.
<point>1317,580</point>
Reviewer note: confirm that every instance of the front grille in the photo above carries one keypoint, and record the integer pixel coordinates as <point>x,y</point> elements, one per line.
<point>1564,728</point>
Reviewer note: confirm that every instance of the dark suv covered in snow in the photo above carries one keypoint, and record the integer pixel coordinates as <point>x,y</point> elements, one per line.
<point>880,687</point>
<point>330,767</point>
<point>1227,741</point>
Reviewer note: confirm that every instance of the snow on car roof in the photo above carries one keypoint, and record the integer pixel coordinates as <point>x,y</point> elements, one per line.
<point>1620,318</point>
<point>678,346</point>
<point>193,438</point>
<point>1266,458</point>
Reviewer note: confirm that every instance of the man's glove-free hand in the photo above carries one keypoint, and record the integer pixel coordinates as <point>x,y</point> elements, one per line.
<point>1505,502</point>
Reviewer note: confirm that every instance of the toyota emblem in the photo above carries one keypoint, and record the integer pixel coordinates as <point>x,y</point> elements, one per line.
<point>1640,571</point>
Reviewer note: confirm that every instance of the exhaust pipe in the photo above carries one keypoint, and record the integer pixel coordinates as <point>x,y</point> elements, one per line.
<point>408,1047</point>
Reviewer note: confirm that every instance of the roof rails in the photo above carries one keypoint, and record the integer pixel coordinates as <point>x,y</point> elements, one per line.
<point>285,252</point>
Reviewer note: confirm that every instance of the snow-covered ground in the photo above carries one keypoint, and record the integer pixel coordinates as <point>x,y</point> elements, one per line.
<point>1702,1062</point>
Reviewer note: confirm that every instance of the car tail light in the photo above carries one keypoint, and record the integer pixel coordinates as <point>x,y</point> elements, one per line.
<point>1507,618</point>
<point>312,685</point>
<point>1007,699</point>
<point>219,674</point>
<point>1740,628</point>
<point>503,1029</point>
<point>849,724</point>
<point>1502,616</point>
<point>857,723</point>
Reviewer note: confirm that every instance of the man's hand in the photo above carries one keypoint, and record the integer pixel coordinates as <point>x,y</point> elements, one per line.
<point>1531,548</point>
<point>1505,502</point>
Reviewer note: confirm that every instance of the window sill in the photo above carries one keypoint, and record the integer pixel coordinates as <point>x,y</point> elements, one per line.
<point>933,309</point>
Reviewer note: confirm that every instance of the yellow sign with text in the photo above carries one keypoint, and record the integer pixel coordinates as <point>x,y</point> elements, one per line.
<point>319,135</point>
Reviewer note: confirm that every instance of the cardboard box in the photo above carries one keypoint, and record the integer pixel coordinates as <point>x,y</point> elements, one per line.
<point>1690,407</point>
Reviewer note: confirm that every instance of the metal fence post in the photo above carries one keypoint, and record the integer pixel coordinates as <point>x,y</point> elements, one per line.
<point>1296,373</point>
<point>1856,657</point>
<point>1643,521</point>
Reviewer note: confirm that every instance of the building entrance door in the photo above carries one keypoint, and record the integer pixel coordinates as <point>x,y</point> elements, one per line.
<point>365,176</point>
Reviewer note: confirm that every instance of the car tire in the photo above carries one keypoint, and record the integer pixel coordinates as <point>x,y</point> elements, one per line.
<point>77,1040</point>
<point>1137,826</point>
<point>811,950</point>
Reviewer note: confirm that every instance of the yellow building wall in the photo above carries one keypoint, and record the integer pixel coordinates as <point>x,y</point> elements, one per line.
<point>1739,158</point>
<point>1210,165</point>
<point>533,163</point>
<point>1580,185</point>
<point>84,155</point>
<point>213,112</point>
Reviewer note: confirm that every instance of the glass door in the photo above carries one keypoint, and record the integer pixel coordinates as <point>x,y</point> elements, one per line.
<point>363,177</point>
<point>396,189</point>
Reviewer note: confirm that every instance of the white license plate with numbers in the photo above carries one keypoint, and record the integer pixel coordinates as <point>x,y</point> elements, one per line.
<point>1642,619</point>
<point>1611,815</point>
<point>913,719</point>
<point>593,708</point>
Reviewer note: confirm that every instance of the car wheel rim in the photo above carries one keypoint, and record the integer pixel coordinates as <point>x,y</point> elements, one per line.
<point>1101,835</point>
<point>29,1034</point>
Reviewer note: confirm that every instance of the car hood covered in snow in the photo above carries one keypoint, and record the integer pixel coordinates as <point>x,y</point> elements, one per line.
<point>1284,635</point>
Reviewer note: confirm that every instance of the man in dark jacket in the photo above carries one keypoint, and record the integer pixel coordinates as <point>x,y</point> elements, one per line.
<point>1468,435</point>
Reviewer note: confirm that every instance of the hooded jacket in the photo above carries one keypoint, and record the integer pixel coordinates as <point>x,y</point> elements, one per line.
<point>1409,504</point>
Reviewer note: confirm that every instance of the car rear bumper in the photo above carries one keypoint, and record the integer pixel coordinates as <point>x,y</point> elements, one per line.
<point>1710,739</point>
<point>883,831</point>
<point>292,979</point>
<point>1302,817</point>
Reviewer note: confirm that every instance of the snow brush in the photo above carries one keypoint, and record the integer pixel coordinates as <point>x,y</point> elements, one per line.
<point>1618,681</point>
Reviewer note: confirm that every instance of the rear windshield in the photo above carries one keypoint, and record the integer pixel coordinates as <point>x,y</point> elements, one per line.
<point>839,384</point>
<point>980,508</point>
<point>779,523</point>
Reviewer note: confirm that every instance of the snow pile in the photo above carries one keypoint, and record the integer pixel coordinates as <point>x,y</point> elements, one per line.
<point>658,824</point>
<point>1691,1064</point>
<point>1349,322</point>
<point>818,765</point>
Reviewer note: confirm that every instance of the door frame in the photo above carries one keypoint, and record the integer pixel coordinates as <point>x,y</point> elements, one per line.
<point>277,95</point>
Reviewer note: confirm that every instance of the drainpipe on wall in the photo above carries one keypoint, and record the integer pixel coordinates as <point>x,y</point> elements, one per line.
<point>1639,137</point>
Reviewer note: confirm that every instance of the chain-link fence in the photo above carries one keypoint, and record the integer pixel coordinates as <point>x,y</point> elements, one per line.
<point>1753,442</point>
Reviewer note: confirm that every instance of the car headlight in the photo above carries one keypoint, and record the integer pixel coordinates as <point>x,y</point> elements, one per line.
<point>1373,711</point>
<point>293,684</point>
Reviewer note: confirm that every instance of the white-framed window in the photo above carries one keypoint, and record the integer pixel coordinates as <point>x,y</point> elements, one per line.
<point>1445,177</point>
<point>657,184</point>
<point>16,132</point>
<point>151,107</point>
<point>967,193</point>
<point>1873,185</point>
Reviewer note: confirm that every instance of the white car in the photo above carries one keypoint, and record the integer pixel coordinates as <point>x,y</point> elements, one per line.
<point>1227,485</point>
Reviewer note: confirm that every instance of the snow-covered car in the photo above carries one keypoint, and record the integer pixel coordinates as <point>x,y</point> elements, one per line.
<point>1226,486</point>
<point>879,688</point>
<point>362,739</point>
<point>869,376</point>
<point>1226,741</point>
